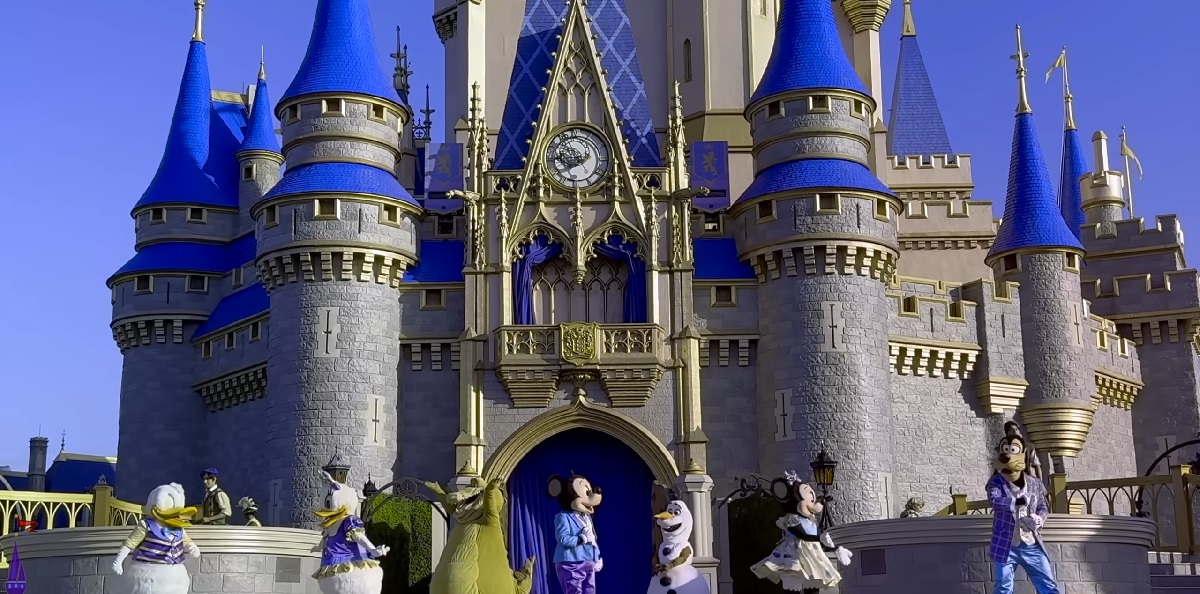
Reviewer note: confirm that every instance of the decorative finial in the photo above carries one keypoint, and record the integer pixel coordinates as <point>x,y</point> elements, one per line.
<point>693,467</point>
<point>1068,98</point>
<point>262,64</point>
<point>402,72</point>
<point>62,445</point>
<point>427,125</point>
<point>198,34</point>
<point>909,29</point>
<point>1023,99</point>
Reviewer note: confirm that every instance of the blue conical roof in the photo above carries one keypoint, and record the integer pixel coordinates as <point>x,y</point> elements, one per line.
<point>260,130</point>
<point>1070,196</point>
<point>1032,218</point>
<point>341,56</point>
<point>180,176</point>
<point>808,52</point>
<point>915,125</point>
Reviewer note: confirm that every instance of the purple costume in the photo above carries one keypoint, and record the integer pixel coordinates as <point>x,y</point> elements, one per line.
<point>161,544</point>
<point>341,553</point>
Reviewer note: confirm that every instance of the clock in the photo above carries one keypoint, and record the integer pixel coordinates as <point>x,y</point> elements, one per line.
<point>577,157</point>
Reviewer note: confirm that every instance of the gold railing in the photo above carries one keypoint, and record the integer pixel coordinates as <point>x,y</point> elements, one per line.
<point>98,508</point>
<point>1171,500</point>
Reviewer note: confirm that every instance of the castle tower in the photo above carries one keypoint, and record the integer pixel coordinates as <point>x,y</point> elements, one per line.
<point>259,157</point>
<point>181,220</point>
<point>820,232</point>
<point>915,125</point>
<point>1035,248</point>
<point>1074,167</point>
<point>334,238</point>
<point>37,464</point>
<point>1102,192</point>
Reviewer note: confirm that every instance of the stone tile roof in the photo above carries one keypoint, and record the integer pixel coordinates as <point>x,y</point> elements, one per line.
<point>341,56</point>
<point>808,52</point>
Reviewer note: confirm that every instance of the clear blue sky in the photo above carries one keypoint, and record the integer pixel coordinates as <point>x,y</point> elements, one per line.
<point>89,89</point>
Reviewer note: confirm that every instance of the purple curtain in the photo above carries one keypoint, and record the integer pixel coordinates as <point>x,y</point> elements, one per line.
<point>532,254</point>
<point>624,522</point>
<point>635,289</point>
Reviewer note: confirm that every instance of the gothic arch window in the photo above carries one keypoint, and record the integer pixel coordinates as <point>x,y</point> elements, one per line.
<point>687,60</point>
<point>552,289</point>
<point>601,298</point>
<point>604,290</point>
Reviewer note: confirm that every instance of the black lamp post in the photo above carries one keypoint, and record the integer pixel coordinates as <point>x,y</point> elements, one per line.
<point>823,468</point>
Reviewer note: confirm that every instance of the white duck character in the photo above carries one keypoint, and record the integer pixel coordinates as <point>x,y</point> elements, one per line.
<point>348,558</point>
<point>158,544</point>
<point>673,570</point>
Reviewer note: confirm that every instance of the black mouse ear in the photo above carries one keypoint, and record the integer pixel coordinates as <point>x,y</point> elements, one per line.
<point>780,489</point>
<point>555,486</point>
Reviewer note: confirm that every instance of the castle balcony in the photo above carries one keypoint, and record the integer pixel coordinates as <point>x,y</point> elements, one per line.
<point>627,360</point>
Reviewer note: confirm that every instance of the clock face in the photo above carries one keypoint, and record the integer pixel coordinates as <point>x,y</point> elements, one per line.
<point>577,157</point>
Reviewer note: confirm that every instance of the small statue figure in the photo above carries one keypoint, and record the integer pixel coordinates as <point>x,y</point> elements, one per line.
<point>798,562</point>
<point>1019,511</point>
<point>348,558</point>
<point>673,570</point>
<point>250,510</point>
<point>475,558</point>
<point>913,507</point>
<point>577,555</point>
<point>158,544</point>
<point>215,509</point>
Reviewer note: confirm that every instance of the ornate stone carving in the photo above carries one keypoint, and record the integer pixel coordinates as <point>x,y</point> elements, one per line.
<point>446,25</point>
<point>234,389</point>
<point>866,14</point>
<point>579,342</point>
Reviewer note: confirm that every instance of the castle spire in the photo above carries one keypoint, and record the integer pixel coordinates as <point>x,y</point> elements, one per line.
<point>198,33</point>
<point>341,56</point>
<point>260,129</point>
<point>262,64</point>
<point>1023,93</point>
<point>1032,215</point>
<point>180,176</point>
<point>915,125</point>
<point>1073,167</point>
<point>808,53</point>
<point>909,28</point>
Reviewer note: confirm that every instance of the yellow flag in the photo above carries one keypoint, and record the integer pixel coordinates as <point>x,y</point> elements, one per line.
<point>1128,152</point>
<point>1061,62</point>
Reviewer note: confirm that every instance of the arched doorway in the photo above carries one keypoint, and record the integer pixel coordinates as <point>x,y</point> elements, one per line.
<point>624,528</point>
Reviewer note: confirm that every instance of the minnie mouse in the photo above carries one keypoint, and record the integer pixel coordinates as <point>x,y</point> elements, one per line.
<point>798,562</point>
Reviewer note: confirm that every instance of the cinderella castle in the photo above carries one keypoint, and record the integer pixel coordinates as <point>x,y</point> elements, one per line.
<point>663,242</point>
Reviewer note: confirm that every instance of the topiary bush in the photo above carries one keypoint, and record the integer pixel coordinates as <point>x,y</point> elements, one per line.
<point>752,536</point>
<point>406,526</point>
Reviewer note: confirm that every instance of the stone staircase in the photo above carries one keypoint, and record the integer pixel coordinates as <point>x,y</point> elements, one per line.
<point>1174,573</point>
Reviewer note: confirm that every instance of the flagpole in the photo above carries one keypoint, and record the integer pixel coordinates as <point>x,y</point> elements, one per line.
<point>1128,174</point>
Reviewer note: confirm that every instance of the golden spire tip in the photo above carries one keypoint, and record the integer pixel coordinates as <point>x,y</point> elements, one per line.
<point>198,34</point>
<point>262,64</point>
<point>910,26</point>
<point>1023,98</point>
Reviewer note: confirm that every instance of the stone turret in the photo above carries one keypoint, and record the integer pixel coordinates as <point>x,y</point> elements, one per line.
<point>259,157</point>
<point>334,238</point>
<point>1035,248</point>
<point>163,293</point>
<point>37,463</point>
<point>1103,192</point>
<point>820,232</point>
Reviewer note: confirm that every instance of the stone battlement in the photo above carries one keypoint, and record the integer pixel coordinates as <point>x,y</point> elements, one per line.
<point>1144,293</point>
<point>1133,234</point>
<point>947,224</point>
<point>930,177</point>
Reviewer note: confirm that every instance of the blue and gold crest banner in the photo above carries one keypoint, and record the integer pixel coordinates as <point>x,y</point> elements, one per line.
<point>710,169</point>
<point>443,173</point>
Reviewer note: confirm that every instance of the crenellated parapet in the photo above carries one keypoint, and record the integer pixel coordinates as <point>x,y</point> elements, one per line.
<point>313,264</point>
<point>930,177</point>
<point>431,353</point>
<point>232,389</point>
<point>848,258</point>
<point>1143,294</point>
<point>1000,375</point>
<point>129,334</point>
<point>947,224</point>
<point>1131,237</point>
<point>1116,363</point>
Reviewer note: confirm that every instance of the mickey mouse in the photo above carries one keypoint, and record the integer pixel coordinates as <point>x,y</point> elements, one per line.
<point>799,561</point>
<point>576,555</point>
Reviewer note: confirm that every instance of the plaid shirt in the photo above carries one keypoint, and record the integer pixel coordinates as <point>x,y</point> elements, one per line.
<point>1004,513</point>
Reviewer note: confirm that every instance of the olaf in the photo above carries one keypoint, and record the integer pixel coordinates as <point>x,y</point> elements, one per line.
<point>673,571</point>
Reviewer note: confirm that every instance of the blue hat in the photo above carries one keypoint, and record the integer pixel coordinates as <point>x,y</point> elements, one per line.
<point>209,471</point>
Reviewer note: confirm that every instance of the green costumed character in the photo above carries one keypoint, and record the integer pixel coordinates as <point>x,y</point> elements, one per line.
<point>475,560</point>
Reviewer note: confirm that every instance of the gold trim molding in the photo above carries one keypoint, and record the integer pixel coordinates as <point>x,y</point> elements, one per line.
<point>235,388</point>
<point>955,360</point>
<point>581,414</point>
<point>1115,390</point>
<point>1000,394</point>
<point>1059,428</point>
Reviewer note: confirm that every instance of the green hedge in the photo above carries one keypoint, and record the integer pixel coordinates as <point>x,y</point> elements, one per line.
<point>752,536</point>
<point>406,526</point>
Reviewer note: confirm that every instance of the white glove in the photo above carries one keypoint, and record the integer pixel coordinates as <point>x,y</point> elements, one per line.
<point>843,555</point>
<point>827,540</point>
<point>118,563</point>
<point>599,565</point>
<point>589,534</point>
<point>379,551</point>
<point>191,550</point>
<point>1029,523</point>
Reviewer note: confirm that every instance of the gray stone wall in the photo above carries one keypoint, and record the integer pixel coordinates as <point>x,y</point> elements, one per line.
<point>245,352</point>
<point>1054,345</point>
<point>944,441</point>
<point>217,225</point>
<point>319,403</point>
<point>428,416</point>
<point>161,419</point>
<point>353,135</point>
<point>841,399</point>
<point>998,327</point>
<point>805,126</point>
<point>227,573</point>
<point>233,444</point>
<point>729,410</point>
<point>1109,450</point>
<point>1167,406</point>
<point>169,294</point>
<point>265,174</point>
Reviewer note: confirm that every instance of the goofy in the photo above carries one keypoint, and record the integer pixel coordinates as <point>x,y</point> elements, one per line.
<point>1019,511</point>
